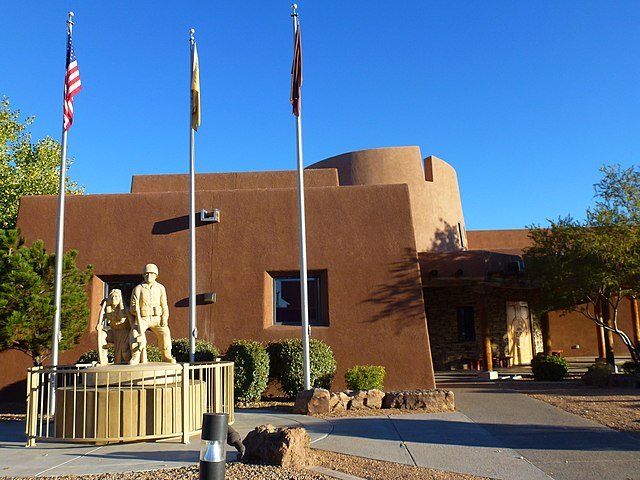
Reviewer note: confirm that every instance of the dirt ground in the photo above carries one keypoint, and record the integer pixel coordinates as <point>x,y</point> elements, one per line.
<point>617,408</point>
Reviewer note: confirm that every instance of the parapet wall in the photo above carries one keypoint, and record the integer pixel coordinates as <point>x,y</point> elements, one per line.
<point>433,189</point>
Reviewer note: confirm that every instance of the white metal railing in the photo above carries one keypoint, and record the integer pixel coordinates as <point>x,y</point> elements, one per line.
<point>125,402</point>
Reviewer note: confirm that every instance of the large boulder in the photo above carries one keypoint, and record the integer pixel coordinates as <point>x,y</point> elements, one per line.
<point>358,399</point>
<point>374,398</point>
<point>436,400</point>
<point>315,401</point>
<point>286,447</point>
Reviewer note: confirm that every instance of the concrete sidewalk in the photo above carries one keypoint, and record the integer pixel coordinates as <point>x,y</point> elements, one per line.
<point>496,433</point>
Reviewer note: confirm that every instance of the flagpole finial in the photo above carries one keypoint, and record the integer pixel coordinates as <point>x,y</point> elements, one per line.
<point>192,31</point>
<point>294,9</point>
<point>70,21</point>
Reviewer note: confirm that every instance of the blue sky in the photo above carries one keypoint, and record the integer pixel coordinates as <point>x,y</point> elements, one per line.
<point>526,100</point>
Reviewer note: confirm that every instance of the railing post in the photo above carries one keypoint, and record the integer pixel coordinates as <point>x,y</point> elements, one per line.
<point>185,403</point>
<point>33,386</point>
<point>229,396</point>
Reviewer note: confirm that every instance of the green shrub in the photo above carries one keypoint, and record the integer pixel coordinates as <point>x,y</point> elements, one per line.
<point>92,356</point>
<point>598,374</point>
<point>365,377</point>
<point>286,364</point>
<point>630,367</point>
<point>250,371</point>
<point>549,367</point>
<point>153,355</point>
<point>205,351</point>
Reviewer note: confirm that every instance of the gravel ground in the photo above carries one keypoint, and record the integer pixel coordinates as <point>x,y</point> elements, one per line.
<point>617,408</point>
<point>359,467</point>
<point>377,470</point>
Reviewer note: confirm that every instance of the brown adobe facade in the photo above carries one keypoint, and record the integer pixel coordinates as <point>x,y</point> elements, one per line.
<point>361,244</point>
<point>398,280</point>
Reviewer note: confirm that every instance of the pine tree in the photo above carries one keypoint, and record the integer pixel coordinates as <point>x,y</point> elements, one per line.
<point>27,306</point>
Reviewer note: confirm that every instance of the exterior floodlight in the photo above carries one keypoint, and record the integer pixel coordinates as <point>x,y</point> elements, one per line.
<point>213,447</point>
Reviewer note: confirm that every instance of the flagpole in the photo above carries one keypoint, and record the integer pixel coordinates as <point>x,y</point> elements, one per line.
<point>193,332</point>
<point>59,250</point>
<point>304,294</point>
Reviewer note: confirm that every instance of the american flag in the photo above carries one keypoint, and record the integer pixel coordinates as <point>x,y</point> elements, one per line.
<point>72,85</point>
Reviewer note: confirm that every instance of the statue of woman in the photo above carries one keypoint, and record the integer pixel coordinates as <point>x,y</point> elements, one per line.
<point>114,327</point>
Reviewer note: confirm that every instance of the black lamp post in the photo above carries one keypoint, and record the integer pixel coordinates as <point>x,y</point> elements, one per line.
<point>212,450</point>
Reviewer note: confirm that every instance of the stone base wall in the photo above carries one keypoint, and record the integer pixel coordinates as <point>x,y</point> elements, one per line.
<point>446,348</point>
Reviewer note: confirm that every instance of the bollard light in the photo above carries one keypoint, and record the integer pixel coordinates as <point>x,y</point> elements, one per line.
<point>212,449</point>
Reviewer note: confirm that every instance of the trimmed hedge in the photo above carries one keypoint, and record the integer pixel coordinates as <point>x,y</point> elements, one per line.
<point>365,377</point>
<point>205,351</point>
<point>549,367</point>
<point>153,355</point>
<point>598,374</point>
<point>286,364</point>
<point>250,371</point>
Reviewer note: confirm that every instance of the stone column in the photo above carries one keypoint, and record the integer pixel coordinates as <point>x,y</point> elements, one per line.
<point>635,320</point>
<point>485,332</point>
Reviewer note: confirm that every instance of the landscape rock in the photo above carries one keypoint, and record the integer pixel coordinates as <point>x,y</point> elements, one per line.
<point>286,447</point>
<point>436,400</point>
<point>374,398</point>
<point>315,401</point>
<point>357,399</point>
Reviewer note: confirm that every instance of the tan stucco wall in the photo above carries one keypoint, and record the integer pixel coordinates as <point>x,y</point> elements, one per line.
<point>436,209</point>
<point>512,241</point>
<point>233,181</point>
<point>571,329</point>
<point>362,236</point>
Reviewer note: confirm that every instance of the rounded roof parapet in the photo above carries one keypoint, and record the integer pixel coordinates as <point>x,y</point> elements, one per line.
<point>377,166</point>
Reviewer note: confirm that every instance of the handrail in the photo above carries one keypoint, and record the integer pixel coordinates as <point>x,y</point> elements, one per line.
<point>119,403</point>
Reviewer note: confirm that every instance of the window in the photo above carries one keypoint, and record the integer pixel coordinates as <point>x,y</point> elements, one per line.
<point>466,324</point>
<point>125,284</point>
<point>286,300</point>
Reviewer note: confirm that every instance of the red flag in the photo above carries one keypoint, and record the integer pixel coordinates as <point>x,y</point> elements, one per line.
<point>72,86</point>
<point>296,74</point>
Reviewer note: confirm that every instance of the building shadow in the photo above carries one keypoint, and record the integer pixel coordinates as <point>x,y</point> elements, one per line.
<point>439,431</point>
<point>184,302</point>
<point>401,297</point>
<point>447,238</point>
<point>174,225</point>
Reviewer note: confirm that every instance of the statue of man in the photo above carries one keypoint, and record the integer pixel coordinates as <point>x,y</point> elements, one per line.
<point>113,327</point>
<point>150,311</point>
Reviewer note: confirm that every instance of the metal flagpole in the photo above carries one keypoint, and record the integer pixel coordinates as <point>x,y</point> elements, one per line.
<point>59,248</point>
<point>193,331</point>
<point>304,294</point>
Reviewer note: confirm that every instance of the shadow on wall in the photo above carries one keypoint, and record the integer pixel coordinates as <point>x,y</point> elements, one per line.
<point>446,239</point>
<point>13,397</point>
<point>174,225</point>
<point>402,296</point>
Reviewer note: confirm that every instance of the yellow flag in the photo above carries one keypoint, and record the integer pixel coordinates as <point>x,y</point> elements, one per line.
<point>195,90</point>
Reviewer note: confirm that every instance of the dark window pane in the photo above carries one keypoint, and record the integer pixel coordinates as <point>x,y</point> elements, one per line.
<point>125,285</point>
<point>466,324</point>
<point>287,300</point>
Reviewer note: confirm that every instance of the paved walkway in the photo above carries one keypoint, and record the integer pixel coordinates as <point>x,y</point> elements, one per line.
<point>496,433</point>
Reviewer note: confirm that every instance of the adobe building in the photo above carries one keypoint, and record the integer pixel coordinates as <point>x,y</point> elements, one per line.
<point>395,279</point>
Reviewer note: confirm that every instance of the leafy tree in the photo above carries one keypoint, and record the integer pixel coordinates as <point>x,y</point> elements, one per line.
<point>26,168</point>
<point>27,307</point>
<point>590,266</point>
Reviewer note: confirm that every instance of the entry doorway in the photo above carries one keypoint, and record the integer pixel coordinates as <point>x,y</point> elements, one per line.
<point>519,333</point>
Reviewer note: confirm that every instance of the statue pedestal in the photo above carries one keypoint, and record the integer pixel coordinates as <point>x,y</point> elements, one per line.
<point>116,403</point>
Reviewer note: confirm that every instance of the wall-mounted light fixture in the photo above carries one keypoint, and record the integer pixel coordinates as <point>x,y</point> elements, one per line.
<point>213,216</point>
<point>209,297</point>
